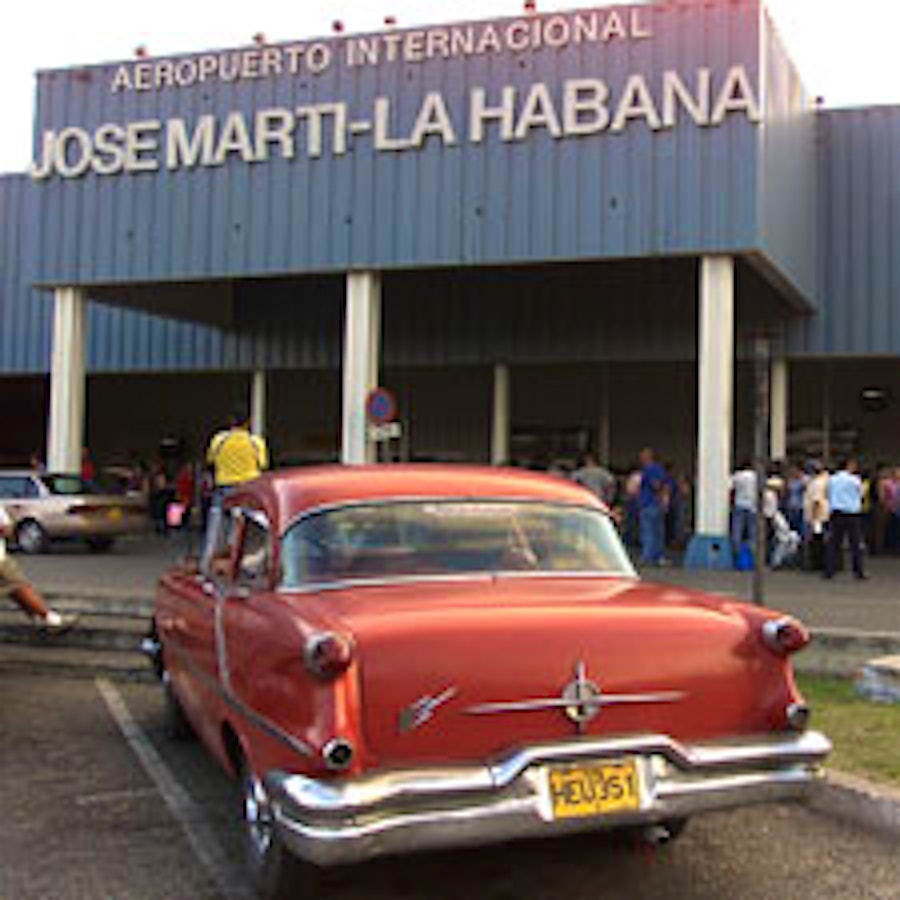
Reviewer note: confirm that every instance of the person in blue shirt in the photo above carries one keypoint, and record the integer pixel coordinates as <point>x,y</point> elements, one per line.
<point>845,500</point>
<point>653,503</point>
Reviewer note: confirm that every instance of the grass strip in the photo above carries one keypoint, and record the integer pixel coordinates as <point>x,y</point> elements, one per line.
<point>866,735</point>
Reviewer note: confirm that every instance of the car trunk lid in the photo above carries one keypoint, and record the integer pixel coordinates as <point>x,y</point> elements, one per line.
<point>475,667</point>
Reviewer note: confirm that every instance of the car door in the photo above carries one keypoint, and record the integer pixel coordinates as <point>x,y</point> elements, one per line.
<point>190,626</point>
<point>244,631</point>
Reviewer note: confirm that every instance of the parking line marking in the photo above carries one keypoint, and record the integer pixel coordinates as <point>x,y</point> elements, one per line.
<point>228,878</point>
<point>114,796</point>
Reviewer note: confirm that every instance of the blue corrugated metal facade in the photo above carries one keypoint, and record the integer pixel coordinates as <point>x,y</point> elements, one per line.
<point>807,196</point>
<point>859,236</point>
<point>25,314</point>
<point>607,195</point>
<point>787,169</point>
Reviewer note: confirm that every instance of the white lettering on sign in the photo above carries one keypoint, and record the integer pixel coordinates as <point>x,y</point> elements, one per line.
<point>186,152</point>
<point>602,27</point>
<point>580,107</point>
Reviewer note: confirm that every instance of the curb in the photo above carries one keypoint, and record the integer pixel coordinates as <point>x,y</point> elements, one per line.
<point>844,651</point>
<point>855,800</point>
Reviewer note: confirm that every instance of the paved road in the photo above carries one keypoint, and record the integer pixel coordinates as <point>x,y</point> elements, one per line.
<point>83,821</point>
<point>132,568</point>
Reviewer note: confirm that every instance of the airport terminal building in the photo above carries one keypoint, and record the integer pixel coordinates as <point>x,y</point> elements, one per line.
<point>544,233</point>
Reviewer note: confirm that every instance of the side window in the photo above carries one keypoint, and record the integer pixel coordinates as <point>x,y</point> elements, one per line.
<point>255,563</point>
<point>17,488</point>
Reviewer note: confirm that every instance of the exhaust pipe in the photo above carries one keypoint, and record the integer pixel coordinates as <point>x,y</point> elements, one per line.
<point>656,835</point>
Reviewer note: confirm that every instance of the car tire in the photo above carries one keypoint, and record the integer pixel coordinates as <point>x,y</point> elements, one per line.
<point>100,545</point>
<point>31,537</point>
<point>176,725</point>
<point>276,873</point>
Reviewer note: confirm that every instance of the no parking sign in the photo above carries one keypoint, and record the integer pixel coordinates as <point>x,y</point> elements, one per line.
<point>381,411</point>
<point>381,406</point>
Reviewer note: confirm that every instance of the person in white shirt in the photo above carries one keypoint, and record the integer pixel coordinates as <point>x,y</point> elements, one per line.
<point>743,506</point>
<point>15,585</point>
<point>845,502</point>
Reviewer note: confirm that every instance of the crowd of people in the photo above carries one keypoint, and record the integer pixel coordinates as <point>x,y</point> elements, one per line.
<point>652,504</point>
<point>819,510</point>
<point>811,512</point>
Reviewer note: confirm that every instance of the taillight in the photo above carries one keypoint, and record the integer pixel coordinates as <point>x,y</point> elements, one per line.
<point>328,654</point>
<point>785,635</point>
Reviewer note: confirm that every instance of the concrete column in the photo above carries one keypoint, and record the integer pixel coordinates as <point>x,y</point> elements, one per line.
<point>65,432</point>
<point>500,423</point>
<point>778,417</point>
<point>362,342</point>
<point>258,402</point>
<point>709,547</point>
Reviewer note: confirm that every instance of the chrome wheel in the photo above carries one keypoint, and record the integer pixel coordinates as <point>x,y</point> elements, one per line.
<point>257,817</point>
<point>276,873</point>
<point>31,537</point>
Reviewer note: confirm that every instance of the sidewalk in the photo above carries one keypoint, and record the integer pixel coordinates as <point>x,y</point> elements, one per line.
<point>130,571</point>
<point>842,603</point>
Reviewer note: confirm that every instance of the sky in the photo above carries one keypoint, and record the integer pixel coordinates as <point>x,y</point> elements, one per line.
<point>846,51</point>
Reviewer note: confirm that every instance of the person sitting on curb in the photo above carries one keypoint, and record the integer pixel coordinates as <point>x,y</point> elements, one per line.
<point>14,585</point>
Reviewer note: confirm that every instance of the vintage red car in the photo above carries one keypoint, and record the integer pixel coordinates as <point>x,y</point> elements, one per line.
<point>394,658</point>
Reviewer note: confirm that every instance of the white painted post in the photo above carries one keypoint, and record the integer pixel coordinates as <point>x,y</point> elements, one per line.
<point>500,424</point>
<point>65,431</point>
<point>716,394</point>
<point>258,402</point>
<point>778,417</point>
<point>362,341</point>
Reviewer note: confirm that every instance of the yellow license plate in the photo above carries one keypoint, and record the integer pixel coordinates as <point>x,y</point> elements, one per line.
<point>594,790</point>
<point>115,514</point>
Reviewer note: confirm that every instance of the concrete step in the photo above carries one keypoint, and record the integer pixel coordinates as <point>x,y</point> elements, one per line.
<point>93,631</point>
<point>117,607</point>
<point>74,662</point>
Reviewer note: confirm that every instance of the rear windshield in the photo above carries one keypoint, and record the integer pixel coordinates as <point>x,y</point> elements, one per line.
<point>69,485</point>
<point>448,537</point>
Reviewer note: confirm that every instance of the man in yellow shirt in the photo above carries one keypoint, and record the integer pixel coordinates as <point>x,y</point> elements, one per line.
<point>235,456</point>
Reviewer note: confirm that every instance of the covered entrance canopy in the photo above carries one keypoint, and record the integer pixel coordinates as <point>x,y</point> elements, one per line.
<point>615,183</point>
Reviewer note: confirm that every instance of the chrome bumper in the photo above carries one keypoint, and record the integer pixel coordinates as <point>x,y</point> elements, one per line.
<point>345,821</point>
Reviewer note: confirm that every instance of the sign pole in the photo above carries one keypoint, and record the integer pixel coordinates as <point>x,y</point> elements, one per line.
<point>760,461</point>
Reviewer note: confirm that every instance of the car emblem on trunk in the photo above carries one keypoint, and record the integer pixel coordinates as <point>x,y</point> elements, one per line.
<point>423,709</point>
<point>583,698</point>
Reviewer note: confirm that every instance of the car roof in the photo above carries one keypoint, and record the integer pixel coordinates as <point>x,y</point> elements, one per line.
<point>290,492</point>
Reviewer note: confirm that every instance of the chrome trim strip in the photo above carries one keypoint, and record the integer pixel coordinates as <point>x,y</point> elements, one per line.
<point>430,498</point>
<point>231,700</point>
<point>322,586</point>
<point>483,709</point>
